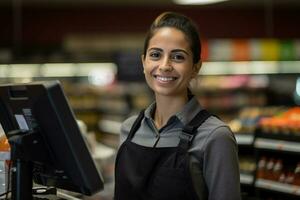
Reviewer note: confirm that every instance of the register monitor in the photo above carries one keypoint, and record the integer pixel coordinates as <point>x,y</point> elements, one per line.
<point>46,143</point>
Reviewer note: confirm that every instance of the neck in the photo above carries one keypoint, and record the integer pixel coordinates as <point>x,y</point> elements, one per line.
<point>167,106</point>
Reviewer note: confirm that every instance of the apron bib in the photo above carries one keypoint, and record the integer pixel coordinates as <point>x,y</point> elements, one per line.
<point>152,173</point>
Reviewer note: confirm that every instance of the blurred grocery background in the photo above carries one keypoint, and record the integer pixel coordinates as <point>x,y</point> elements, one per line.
<point>250,75</point>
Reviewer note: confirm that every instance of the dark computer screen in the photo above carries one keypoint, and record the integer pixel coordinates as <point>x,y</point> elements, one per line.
<point>38,119</point>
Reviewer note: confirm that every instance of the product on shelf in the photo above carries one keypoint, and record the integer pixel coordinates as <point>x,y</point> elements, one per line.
<point>277,169</point>
<point>250,117</point>
<point>247,165</point>
<point>282,177</point>
<point>274,169</point>
<point>4,161</point>
<point>261,167</point>
<point>4,145</point>
<point>290,178</point>
<point>269,169</point>
<point>285,123</point>
<point>297,175</point>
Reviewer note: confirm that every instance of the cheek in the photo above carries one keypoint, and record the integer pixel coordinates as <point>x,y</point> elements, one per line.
<point>148,67</point>
<point>147,71</point>
<point>187,74</point>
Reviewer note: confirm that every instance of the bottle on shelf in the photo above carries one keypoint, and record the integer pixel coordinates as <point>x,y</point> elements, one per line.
<point>269,169</point>
<point>261,170</point>
<point>282,177</point>
<point>277,169</point>
<point>290,178</point>
<point>297,175</point>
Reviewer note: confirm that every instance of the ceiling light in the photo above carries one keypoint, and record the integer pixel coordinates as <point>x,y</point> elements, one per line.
<point>197,2</point>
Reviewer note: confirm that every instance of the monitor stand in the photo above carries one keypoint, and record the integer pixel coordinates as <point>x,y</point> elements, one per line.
<point>22,143</point>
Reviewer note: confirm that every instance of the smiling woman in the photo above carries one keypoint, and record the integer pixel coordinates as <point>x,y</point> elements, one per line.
<point>175,149</point>
<point>168,63</point>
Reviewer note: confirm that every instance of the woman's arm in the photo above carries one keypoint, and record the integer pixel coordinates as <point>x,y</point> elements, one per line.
<point>221,165</point>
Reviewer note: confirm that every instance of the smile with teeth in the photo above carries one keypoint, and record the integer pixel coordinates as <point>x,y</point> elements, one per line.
<point>164,78</point>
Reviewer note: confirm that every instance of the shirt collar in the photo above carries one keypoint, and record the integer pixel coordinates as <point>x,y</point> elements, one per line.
<point>190,109</point>
<point>149,111</point>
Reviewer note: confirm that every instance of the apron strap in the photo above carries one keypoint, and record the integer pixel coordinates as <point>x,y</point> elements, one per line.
<point>189,131</point>
<point>136,125</point>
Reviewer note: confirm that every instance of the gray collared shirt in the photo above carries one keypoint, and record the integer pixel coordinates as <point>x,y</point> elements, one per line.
<point>214,158</point>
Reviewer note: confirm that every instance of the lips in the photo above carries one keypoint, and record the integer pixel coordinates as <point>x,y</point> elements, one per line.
<point>165,79</point>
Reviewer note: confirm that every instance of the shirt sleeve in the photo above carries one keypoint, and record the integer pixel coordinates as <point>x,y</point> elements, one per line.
<point>221,166</point>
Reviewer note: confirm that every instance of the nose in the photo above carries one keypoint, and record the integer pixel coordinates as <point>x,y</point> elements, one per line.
<point>166,65</point>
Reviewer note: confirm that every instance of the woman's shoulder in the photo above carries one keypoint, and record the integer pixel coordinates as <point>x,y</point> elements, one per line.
<point>219,129</point>
<point>127,123</point>
<point>126,127</point>
<point>213,129</point>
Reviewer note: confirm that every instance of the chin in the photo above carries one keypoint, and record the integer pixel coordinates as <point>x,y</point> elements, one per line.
<point>163,91</point>
<point>167,92</point>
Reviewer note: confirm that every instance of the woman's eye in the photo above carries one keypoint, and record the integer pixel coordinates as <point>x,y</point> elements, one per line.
<point>178,57</point>
<point>154,55</point>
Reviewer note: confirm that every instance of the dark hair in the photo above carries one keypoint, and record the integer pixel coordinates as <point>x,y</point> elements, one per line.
<point>180,22</point>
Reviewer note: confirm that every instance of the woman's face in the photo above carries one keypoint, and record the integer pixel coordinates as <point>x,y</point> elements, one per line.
<point>168,63</point>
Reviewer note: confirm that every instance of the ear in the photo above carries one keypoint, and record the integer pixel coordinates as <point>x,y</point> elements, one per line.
<point>196,68</point>
<point>143,62</point>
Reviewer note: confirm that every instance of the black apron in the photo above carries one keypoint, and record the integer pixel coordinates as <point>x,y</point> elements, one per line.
<point>151,173</point>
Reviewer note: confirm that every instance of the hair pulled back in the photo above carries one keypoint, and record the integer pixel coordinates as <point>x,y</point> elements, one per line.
<point>180,22</point>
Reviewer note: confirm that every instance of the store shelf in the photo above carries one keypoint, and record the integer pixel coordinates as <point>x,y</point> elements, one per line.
<point>244,139</point>
<point>246,179</point>
<point>276,186</point>
<point>278,136</point>
<point>56,69</point>
<point>278,145</point>
<point>250,67</point>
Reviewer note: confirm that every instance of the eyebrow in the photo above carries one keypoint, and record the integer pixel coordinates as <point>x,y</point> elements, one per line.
<point>173,51</point>
<point>180,50</point>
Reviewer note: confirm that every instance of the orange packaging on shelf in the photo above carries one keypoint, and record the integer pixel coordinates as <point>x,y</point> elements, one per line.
<point>294,127</point>
<point>4,163</point>
<point>4,149</point>
<point>279,125</point>
<point>265,124</point>
<point>292,117</point>
<point>292,113</point>
<point>4,145</point>
<point>204,50</point>
<point>241,50</point>
<point>287,122</point>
